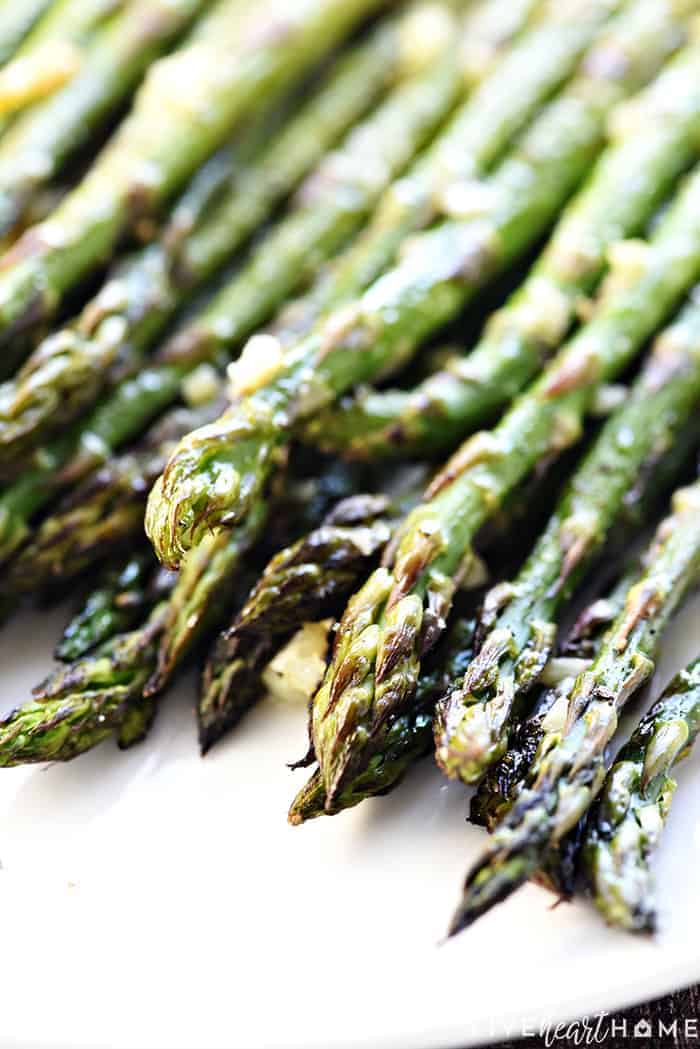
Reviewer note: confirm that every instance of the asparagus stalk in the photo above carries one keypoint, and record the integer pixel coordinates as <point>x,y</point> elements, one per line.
<point>408,738</point>
<point>499,789</point>
<point>125,594</point>
<point>119,680</point>
<point>475,137</point>
<point>504,780</point>
<point>303,583</point>
<point>236,191</point>
<point>626,824</point>
<point>408,735</point>
<point>215,472</point>
<point>331,205</point>
<point>519,623</point>
<point>569,769</point>
<point>332,202</point>
<point>468,391</point>
<point>38,144</point>
<point>81,704</point>
<point>105,511</point>
<point>225,71</point>
<point>402,609</point>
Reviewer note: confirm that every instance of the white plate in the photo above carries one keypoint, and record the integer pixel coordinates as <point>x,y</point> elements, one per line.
<point>152,899</point>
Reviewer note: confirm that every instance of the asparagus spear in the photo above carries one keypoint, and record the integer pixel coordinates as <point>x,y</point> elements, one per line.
<point>503,781</point>
<point>38,144</point>
<point>519,624</point>
<point>125,594</point>
<point>332,202</point>
<point>224,74</point>
<point>626,824</point>
<point>105,511</point>
<point>236,191</point>
<point>119,680</point>
<point>467,391</point>
<point>408,738</point>
<point>216,471</point>
<point>402,609</point>
<point>303,583</point>
<point>475,137</point>
<point>81,704</point>
<point>569,769</point>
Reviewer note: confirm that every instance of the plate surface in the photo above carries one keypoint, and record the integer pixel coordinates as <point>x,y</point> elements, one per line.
<point>153,899</point>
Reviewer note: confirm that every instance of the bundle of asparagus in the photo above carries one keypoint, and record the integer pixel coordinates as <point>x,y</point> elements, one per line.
<point>358,176</point>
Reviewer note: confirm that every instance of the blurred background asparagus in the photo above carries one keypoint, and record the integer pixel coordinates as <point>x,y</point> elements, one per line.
<point>225,224</point>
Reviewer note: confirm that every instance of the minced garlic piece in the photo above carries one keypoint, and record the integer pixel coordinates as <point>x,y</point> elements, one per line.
<point>295,673</point>
<point>260,362</point>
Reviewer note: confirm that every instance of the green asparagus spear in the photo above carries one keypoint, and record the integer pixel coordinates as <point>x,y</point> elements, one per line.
<point>105,511</point>
<point>569,769</point>
<point>303,583</point>
<point>224,74</point>
<point>124,596</point>
<point>468,391</point>
<point>81,704</point>
<point>215,472</point>
<point>39,143</point>
<point>475,137</point>
<point>473,721</point>
<point>214,217</point>
<point>503,781</point>
<point>402,609</point>
<point>626,824</point>
<point>130,408</point>
<point>409,737</point>
<point>331,204</point>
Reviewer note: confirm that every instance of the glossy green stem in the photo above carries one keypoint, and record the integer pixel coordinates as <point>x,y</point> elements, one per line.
<point>476,136</point>
<point>215,216</point>
<point>214,473</point>
<point>408,737</point>
<point>303,583</point>
<point>569,769</point>
<point>626,824</point>
<point>125,594</point>
<point>84,702</point>
<point>470,389</point>
<point>520,619</point>
<point>38,144</point>
<point>105,511</point>
<point>227,69</point>
<point>402,609</point>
